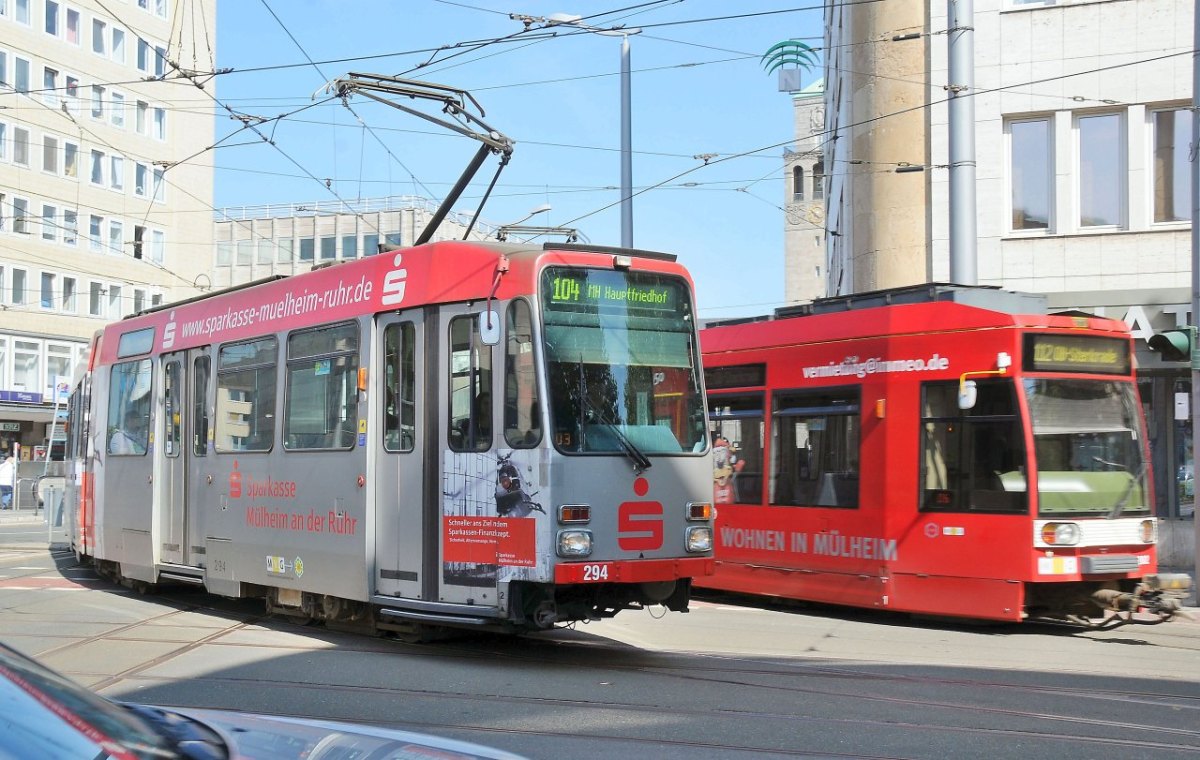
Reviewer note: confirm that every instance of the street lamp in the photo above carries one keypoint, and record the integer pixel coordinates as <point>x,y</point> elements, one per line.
<point>564,19</point>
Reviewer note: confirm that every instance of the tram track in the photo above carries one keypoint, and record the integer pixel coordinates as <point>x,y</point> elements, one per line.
<point>800,700</point>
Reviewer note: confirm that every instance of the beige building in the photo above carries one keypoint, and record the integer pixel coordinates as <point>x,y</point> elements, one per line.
<point>105,186</point>
<point>253,242</point>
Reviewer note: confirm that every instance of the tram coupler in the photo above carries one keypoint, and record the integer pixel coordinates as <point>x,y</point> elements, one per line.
<point>1160,595</point>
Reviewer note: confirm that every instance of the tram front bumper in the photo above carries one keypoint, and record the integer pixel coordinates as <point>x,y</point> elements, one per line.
<point>633,571</point>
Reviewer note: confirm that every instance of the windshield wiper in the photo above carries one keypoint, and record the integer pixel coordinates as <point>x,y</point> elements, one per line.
<point>1119,507</point>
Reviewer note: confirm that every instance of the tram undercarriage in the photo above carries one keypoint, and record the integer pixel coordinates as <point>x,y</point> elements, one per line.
<point>1104,605</point>
<point>533,606</point>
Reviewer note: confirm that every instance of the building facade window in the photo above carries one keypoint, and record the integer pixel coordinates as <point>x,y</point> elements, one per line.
<point>20,209</point>
<point>97,167</point>
<point>99,35</point>
<point>797,183</point>
<point>49,222</point>
<point>70,227</point>
<point>21,146</point>
<point>52,18</point>
<point>96,299</point>
<point>70,159</point>
<point>21,74</point>
<point>68,294</point>
<point>1031,170</point>
<point>50,154</point>
<point>95,225</point>
<point>116,237</point>
<point>73,26</point>
<point>1172,179</point>
<point>47,299</point>
<point>1101,170</point>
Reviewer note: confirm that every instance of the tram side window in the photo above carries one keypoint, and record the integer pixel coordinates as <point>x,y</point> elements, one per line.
<point>129,408</point>
<point>972,460</point>
<point>200,373</point>
<point>171,410</point>
<point>736,427</point>
<point>815,448</point>
<point>245,417</point>
<point>470,387</point>
<point>522,415</point>
<point>400,380</point>
<point>322,388</point>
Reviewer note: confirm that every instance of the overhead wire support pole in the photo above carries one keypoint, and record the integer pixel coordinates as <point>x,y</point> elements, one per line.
<point>961,116</point>
<point>1194,156</point>
<point>457,104</point>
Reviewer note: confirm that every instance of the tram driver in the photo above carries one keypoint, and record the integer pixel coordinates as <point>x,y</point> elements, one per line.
<point>128,439</point>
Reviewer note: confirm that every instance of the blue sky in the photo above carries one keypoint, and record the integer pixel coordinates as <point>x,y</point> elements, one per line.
<point>698,87</point>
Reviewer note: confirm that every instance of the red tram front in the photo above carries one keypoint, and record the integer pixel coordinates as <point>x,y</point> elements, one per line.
<point>455,434</point>
<point>939,450</point>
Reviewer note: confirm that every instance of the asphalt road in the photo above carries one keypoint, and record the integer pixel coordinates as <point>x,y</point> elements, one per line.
<point>728,680</point>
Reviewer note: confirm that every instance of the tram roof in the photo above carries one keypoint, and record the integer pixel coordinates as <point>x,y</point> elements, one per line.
<point>441,272</point>
<point>926,308</point>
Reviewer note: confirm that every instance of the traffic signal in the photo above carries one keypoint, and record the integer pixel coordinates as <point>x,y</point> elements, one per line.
<point>1175,345</point>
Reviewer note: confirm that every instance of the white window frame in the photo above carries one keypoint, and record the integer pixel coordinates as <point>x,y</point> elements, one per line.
<point>99,36</point>
<point>70,294</point>
<point>52,16</point>
<point>96,294</point>
<point>116,106</point>
<point>98,158</point>
<point>21,221</point>
<point>73,13</point>
<point>116,237</point>
<point>50,77</point>
<point>1121,171</point>
<point>42,294</point>
<point>49,230</point>
<point>27,143</point>
<point>70,227</point>
<point>116,173</point>
<point>1009,186</point>
<point>116,48</point>
<point>96,233</point>
<point>66,145</point>
<point>1151,173</point>
<point>53,152</point>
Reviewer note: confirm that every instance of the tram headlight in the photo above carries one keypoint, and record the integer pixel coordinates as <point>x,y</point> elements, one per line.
<point>1148,531</point>
<point>699,538</point>
<point>574,543</point>
<point>1061,534</point>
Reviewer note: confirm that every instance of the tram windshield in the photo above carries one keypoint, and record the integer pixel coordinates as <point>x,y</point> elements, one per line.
<point>1089,447</point>
<point>622,363</point>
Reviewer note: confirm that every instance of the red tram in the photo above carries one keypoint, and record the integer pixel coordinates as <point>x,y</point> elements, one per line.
<point>942,450</point>
<point>328,441</point>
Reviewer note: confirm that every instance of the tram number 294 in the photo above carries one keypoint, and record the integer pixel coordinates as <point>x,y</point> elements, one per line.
<point>595,573</point>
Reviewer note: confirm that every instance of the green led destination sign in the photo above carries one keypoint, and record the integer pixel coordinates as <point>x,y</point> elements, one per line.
<point>1076,353</point>
<point>594,290</point>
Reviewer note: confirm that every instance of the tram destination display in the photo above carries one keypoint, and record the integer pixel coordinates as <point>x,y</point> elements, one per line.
<point>1048,352</point>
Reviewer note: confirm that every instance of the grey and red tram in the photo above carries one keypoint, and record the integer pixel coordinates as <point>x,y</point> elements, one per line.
<point>479,435</point>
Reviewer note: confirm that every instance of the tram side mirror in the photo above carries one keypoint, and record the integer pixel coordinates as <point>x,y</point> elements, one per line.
<point>968,394</point>
<point>489,327</point>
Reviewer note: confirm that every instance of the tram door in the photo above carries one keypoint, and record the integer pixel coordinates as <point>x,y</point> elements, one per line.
<point>402,500</point>
<point>468,464</point>
<point>172,480</point>
<point>184,437</point>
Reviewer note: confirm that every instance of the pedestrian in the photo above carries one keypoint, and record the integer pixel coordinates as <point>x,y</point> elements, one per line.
<point>8,475</point>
